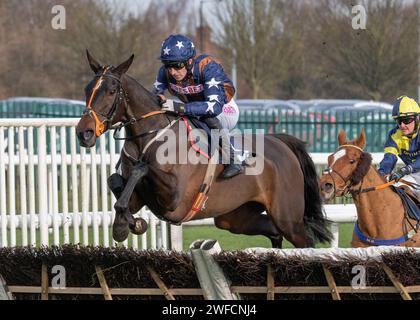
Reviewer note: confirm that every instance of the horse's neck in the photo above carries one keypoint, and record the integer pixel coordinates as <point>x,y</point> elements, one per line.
<point>377,209</point>
<point>140,103</point>
<point>140,100</point>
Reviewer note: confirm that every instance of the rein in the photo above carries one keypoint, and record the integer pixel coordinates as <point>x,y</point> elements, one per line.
<point>132,121</point>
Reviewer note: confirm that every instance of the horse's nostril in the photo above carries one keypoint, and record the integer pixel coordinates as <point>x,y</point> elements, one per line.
<point>327,186</point>
<point>88,134</point>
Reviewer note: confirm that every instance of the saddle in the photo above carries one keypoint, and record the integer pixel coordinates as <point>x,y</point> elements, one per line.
<point>411,204</point>
<point>203,144</point>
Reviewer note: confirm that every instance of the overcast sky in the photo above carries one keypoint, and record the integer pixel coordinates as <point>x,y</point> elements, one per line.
<point>134,5</point>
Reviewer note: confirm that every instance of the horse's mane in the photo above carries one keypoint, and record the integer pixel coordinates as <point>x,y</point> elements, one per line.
<point>362,167</point>
<point>146,92</point>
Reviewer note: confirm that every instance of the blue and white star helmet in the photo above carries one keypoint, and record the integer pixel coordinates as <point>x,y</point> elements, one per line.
<point>177,48</point>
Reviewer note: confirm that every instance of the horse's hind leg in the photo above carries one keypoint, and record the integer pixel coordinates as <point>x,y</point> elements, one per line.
<point>294,231</point>
<point>288,218</point>
<point>248,220</point>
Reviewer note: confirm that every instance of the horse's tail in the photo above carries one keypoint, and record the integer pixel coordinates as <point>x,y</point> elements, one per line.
<point>315,222</point>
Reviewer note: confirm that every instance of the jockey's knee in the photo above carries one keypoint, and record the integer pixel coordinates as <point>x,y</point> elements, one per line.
<point>212,122</point>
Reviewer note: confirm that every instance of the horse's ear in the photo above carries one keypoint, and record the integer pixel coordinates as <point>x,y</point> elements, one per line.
<point>342,139</point>
<point>123,67</point>
<point>94,65</point>
<point>361,140</point>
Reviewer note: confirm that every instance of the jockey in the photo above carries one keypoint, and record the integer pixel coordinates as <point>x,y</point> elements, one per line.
<point>203,87</point>
<point>404,142</point>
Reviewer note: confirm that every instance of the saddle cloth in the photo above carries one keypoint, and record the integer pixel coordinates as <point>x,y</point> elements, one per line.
<point>203,144</point>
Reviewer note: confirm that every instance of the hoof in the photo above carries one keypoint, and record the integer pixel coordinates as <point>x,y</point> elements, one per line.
<point>120,229</point>
<point>139,227</point>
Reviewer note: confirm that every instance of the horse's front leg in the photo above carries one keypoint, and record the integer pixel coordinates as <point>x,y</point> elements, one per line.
<point>123,191</point>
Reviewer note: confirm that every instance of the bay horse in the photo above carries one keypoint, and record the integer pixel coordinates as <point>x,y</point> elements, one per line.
<point>381,216</point>
<point>287,189</point>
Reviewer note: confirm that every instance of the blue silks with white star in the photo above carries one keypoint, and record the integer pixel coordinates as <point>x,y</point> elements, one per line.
<point>205,93</point>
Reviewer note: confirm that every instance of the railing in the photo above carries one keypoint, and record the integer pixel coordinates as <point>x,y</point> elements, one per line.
<point>318,129</point>
<point>58,197</point>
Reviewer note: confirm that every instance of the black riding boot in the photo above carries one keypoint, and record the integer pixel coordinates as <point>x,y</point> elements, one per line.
<point>232,169</point>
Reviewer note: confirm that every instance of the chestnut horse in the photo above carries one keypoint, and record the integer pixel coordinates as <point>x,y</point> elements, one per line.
<point>287,189</point>
<point>382,219</point>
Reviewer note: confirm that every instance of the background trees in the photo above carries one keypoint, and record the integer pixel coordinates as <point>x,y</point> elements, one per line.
<point>283,48</point>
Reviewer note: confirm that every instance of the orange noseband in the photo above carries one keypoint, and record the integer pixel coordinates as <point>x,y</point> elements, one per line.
<point>99,125</point>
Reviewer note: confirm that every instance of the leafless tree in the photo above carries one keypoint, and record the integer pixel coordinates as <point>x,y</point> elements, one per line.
<point>377,63</point>
<point>252,29</point>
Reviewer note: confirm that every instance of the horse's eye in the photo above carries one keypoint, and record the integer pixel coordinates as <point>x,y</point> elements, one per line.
<point>112,92</point>
<point>352,161</point>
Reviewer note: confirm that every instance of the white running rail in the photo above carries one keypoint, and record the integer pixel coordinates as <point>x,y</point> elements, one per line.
<point>52,194</point>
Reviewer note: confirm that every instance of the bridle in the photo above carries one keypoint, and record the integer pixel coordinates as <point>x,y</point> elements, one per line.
<point>120,97</point>
<point>348,180</point>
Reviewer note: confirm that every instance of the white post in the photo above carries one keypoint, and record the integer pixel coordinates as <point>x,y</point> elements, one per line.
<point>74,186</point>
<point>94,196</point>
<point>31,183</point>
<point>335,231</point>
<point>64,193</point>
<point>104,192</point>
<point>43,181</point>
<point>112,164</point>
<point>84,187</point>
<point>134,241</point>
<point>164,234</point>
<point>145,216</point>
<point>54,185</point>
<point>158,235</point>
<point>49,187</point>
<point>176,237</point>
<point>22,183</point>
<point>153,231</point>
<point>11,184</point>
<point>3,242</point>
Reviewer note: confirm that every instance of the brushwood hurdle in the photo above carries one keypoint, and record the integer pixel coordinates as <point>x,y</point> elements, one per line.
<point>52,191</point>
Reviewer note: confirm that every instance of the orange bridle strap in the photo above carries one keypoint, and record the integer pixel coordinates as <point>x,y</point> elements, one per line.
<point>99,125</point>
<point>151,114</point>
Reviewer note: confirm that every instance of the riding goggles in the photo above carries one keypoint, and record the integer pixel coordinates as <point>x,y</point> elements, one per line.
<point>406,120</point>
<point>177,65</point>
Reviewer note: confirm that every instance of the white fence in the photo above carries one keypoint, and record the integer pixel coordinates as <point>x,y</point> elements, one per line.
<point>61,197</point>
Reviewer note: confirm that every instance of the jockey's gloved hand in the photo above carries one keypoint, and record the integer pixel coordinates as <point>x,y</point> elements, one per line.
<point>173,106</point>
<point>397,175</point>
<point>161,98</point>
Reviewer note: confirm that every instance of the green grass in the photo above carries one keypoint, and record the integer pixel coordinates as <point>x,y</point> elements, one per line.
<point>229,241</point>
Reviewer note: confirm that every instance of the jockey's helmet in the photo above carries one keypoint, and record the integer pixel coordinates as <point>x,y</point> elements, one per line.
<point>405,107</point>
<point>177,48</point>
